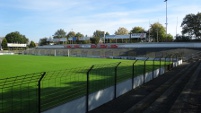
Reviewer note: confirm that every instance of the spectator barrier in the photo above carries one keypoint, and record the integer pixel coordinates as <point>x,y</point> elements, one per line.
<point>80,89</point>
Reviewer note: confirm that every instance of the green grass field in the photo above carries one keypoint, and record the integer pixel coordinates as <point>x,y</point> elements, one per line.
<point>13,65</point>
<point>65,79</point>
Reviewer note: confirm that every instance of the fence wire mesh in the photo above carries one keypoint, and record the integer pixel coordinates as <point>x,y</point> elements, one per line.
<point>125,70</point>
<point>101,76</point>
<point>38,92</point>
<point>19,94</point>
<point>62,86</point>
<point>139,68</point>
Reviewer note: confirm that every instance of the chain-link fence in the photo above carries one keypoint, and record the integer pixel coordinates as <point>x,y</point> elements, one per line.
<point>19,94</point>
<point>38,92</point>
<point>111,53</point>
<point>58,87</point>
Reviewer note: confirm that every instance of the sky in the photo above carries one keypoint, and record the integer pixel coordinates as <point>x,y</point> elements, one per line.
<point>37,19</point>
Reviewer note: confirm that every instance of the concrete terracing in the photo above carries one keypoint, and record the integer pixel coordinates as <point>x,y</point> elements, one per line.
<point>186,53</point>
<point>177,91</point>
<point>171,49</point>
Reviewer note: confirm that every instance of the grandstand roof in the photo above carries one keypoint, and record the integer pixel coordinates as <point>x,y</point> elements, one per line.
<point>59,39</point>
<point>133,35</point>
<point>117,36</point>
<point>82,38</point>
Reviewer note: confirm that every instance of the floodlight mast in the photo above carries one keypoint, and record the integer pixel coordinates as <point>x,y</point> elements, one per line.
<point>166,19</point>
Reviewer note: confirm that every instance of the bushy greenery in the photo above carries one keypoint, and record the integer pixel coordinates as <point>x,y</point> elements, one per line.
<point>32,44</point>
<point>4,44</point>
<point>191,25</point>
<point>16,37</point>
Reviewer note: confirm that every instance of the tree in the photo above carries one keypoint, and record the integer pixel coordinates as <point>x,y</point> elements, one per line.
<point>16,37</point>
<point>121,31</point>
<point>32,44</point>
<point>107,33</point>
<point>191,25</point>
<point>79,35</point>
<point>43,41</point>
<point>169,38</point>
<point>98,33</point>
<point>59,34</point>
<point>138,30</point>
<point>97,36</point>
<point>71,34</point>
<point>95,40</point>
<point>180,38</point>
<point>4,43</point>
<point>157,32</point>
<point>50,40</point>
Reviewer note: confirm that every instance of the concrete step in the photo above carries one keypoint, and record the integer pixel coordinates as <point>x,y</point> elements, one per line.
<point>161,99</point>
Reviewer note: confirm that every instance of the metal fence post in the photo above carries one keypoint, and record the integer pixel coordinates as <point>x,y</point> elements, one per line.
<point>165,68</point>
<point>153,68</point>
<point>115,80</point>
<point>39,92</point>
<point>145,68</point>
<point>87,93</point>
<point>171,65</point>
<point>133,73</point>
<point>175,59</point>
<point>160,67</point>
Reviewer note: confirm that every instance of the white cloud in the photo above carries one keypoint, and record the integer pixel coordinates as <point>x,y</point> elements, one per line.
<point>41,18</point>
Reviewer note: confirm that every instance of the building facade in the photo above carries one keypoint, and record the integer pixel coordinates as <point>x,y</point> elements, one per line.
<point>1,39</point>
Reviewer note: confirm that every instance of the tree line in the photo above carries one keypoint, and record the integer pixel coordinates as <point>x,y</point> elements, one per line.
<point>191,31</point>
<point>156,31</point>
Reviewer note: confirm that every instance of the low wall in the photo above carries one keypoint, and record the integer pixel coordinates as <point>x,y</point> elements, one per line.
<point>124,87</point>
<point>100,97</point>
<point>6,53</point>
<point>184,53</point>
<point>75,106</point>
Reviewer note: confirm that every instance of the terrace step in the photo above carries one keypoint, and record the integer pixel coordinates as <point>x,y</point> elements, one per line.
<point>151,89</point>
<point>189,100</point>
<point>163,97</point>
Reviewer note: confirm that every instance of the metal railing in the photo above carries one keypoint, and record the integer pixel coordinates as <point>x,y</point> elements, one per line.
<point>37,92</point>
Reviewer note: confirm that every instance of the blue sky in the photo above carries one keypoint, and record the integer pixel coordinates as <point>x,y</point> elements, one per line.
<point>42,18</point>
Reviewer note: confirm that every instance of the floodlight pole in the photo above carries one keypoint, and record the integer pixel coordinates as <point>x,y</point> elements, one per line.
<point>166,19</point>
<point>149,30</point>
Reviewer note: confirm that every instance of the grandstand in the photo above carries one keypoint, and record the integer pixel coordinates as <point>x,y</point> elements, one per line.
<point>124,45</point>
<point>119,50</point>
<point>125,38</point>
<point>1,39</point>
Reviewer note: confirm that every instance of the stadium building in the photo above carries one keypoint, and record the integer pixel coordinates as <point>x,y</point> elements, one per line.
<point>134,37</point>
<point>1,39</point>
<point>74,40</point>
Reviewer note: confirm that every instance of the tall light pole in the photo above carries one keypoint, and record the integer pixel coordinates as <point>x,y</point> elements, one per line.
<point>149,35</point>
<point>166,19</point>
